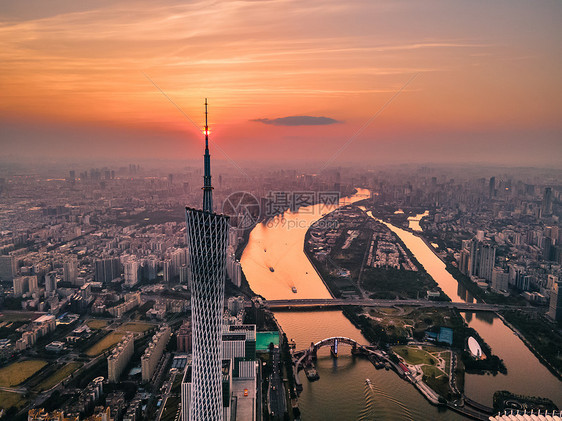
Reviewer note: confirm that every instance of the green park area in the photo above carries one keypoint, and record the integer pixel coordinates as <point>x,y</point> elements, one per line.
<point>17,373</point>
<point>434,362</point>
<point>57,376</point>
<point>9,399</point>
<point>18,316</point>
<point>414,355</point>
<point>432,371</point>
<point>136,327</point>
<point>389,283</point>
<point>96,323</point>
<point>392,320</point>
<point>105,343</point>
<point>403,323</point>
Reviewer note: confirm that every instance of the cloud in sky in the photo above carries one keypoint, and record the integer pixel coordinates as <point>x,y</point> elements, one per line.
<point>298,120</point>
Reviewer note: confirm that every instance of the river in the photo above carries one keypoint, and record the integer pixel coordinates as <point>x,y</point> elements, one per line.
<point>525,374</point>
<point>274,262</point>
<point>430,261</point>
<point>414,221</point>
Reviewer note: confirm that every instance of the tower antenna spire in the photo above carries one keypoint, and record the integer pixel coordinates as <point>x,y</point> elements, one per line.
<point>206,127</point>
<point>207,187</point>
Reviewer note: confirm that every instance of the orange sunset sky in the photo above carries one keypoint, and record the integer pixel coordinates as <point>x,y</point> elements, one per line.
<point>485,79</point>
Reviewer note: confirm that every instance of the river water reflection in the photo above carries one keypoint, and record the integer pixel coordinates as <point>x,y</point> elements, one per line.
<point>525,374</point>
<point>274,263</point>
<point>414,221</point>
<point>273,260</point>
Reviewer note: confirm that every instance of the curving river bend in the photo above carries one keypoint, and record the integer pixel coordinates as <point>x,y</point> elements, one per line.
<point>341,392</point>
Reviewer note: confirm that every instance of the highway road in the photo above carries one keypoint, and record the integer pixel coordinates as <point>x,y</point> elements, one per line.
<point>276,392</point>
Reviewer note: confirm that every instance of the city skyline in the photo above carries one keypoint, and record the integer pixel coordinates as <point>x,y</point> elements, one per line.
<point>105,251</point>
<point>477,83</point>
<point>381,239</point>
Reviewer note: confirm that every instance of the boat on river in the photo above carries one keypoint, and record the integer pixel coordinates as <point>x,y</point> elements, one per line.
<point>271,269</point>
<point>294,289</point>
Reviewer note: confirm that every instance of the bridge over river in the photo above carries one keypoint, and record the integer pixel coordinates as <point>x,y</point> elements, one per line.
<point>303,359</point>
<point>297,304</point>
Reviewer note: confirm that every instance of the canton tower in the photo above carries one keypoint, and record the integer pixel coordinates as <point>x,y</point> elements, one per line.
<point>207,235</point>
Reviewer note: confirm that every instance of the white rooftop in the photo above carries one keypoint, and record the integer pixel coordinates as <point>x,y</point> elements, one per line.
<point>44,318</point>
<point>515,415</point>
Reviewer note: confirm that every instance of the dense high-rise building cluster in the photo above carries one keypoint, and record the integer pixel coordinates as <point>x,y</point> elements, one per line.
<point>503,232</point>
<point>105,257</point>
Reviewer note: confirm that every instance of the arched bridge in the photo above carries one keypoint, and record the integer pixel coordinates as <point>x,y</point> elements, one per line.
<point>303,358</point>
<point>334,342</point>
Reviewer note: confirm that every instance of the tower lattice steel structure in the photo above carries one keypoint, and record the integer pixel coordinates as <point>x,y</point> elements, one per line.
<point>207,235</point>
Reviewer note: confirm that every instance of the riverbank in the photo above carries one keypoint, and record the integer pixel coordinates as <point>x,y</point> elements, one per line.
<point>463,280</point>
<point>310,259</point>
<point>529,345</point>
<point>480,296</point>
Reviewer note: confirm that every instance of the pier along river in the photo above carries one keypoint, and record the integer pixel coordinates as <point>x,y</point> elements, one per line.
<point>275,265</point>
